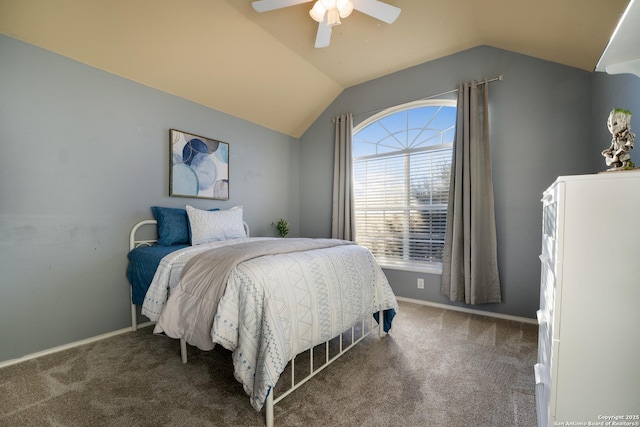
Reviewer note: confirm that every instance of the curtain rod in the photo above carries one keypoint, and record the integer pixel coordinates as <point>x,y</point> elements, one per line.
<point>500,77</point>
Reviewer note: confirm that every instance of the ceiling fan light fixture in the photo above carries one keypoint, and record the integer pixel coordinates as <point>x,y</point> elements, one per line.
<point>317,12</point>
<point>333,17</point>
<point>335,9</point>
<point>328,13</point>
<point>345,7</point>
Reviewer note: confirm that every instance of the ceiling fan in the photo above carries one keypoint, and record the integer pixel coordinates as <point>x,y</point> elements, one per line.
<point>328,12</point>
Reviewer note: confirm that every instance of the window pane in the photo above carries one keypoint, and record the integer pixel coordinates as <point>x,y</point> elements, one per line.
<point>402,164</point>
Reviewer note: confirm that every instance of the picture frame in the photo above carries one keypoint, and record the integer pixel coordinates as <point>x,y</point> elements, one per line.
<point>199,166</point>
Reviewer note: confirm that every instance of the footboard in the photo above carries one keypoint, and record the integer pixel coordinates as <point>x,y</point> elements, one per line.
<point>345,341</point>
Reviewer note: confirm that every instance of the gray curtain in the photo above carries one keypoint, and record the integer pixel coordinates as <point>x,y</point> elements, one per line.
<point>470,260</point>
<point>342,218</point>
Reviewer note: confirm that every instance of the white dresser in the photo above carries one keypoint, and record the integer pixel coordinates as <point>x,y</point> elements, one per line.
<point>589,319</point>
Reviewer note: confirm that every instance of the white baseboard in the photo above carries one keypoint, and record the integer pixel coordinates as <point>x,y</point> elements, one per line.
<point>63,347</point>
<point>470,310</point>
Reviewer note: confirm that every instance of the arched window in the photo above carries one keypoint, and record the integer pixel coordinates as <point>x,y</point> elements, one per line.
<point>401,167</point>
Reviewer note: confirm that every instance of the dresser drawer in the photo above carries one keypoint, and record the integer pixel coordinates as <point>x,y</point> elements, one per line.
<point>544,338</point>
<point>543,393</point>
<point>542,406</point>
<point>548,254</point>
<point>547,288</point>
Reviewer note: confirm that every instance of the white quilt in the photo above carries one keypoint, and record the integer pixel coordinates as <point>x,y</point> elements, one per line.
<point>169,271</point>
<point>277,306</point>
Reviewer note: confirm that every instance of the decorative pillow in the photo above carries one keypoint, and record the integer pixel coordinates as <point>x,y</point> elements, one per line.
<point>207,226</point>
<point>173,225</point>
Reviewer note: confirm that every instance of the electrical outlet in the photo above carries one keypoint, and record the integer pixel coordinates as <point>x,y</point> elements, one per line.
<point>420,283</point>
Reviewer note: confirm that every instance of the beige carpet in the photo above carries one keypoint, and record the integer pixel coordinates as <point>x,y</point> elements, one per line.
<point>437,368</point>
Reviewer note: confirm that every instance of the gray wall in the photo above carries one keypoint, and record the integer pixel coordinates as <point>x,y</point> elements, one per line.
<point>539,118</point>
<point>83,155</point>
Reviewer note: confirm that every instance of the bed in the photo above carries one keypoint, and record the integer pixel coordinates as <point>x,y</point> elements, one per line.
<point>204,281</point>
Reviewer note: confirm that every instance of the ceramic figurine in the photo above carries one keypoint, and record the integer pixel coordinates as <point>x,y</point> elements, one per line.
<point>617,155</point>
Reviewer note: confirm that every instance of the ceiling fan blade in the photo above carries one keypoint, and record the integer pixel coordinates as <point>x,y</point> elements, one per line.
<point>323,36</point>
<point>268,5</point>
<point>377,9</point>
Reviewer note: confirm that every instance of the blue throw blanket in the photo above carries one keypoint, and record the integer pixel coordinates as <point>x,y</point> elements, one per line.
<point>387,319</point>
<point>143,263</point>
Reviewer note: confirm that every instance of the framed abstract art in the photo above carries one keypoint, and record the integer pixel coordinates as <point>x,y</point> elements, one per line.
<point>199,167</point>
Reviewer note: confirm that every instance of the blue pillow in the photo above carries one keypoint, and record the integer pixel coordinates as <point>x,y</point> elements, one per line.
<point>173,225</point>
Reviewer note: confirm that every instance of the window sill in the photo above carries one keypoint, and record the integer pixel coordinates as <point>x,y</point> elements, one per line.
<point>435,269</point>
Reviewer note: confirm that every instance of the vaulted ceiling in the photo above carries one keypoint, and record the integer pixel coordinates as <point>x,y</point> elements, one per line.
<point>264,68</point>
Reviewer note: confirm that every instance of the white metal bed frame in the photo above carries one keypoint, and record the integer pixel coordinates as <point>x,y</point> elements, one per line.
<point>134,242</point>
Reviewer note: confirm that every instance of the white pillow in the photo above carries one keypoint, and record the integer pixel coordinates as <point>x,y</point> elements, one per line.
<point>209,226</point>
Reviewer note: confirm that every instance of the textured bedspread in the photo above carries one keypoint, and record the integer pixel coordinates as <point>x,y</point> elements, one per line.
<point>169,271</point>
<point>278,305</point>
<point>272,311</point>
<point>190,309</point>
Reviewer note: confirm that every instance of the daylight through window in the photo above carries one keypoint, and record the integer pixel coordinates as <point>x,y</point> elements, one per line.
<point>402,164</point>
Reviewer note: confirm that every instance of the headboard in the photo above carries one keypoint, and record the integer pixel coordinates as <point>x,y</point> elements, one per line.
<point>135,241</point>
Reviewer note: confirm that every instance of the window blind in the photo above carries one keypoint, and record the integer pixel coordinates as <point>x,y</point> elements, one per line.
<point>401,204</point>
